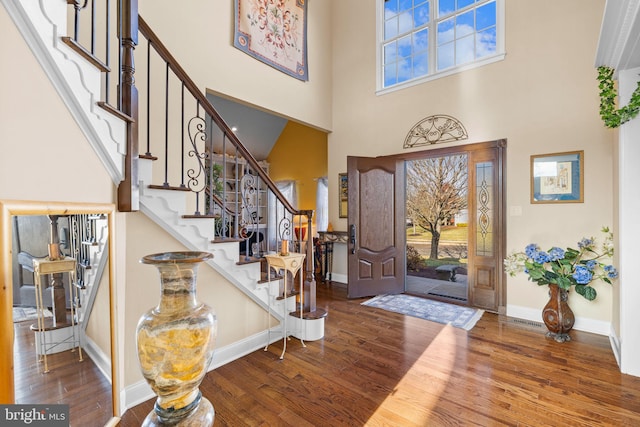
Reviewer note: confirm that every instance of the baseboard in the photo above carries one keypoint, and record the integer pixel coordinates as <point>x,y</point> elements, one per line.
<point>615,345</point>
<point>99,358</point>
<point>141,391</point>
<point>340,278</point>
<point>238,349</point>
<point>582,324</point>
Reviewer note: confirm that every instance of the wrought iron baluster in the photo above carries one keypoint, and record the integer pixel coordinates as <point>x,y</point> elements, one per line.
<point>166,127</point>
<point>148,153</point>
<point>236,211</point>
<point>182,153</point>
<point>77,7</point>
<point>197,175</point>
<point>107,53</point>
<point>93,27</point>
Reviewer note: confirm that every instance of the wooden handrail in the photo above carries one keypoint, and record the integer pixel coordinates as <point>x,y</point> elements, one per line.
<point>190,85</point>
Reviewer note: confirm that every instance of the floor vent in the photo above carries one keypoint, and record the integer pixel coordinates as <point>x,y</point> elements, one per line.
<point>525,322</point>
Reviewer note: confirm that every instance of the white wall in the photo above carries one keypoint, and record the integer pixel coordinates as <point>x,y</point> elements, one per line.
<point>37,134</point>
<point>543,98</point>
<point>629,253</point>
<point>204,47</point>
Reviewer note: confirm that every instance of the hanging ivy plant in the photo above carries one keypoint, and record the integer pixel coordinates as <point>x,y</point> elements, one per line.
<point>610,115</point>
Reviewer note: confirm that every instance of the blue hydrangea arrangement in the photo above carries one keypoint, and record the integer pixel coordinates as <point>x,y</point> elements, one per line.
<point>567,267</point>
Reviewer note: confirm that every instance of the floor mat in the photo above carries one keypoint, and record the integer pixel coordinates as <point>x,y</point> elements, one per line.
<point>435,311</point>
<point>450,290</point>
<point>22,314</point>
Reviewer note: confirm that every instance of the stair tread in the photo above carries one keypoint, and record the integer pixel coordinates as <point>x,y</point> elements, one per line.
<point>289,295</point>
<point>113,110</point>
<point>248,260</point>
<point>74,45</point>
<point>222,239</point>
<point>168,187</point>
<point>265,279</point>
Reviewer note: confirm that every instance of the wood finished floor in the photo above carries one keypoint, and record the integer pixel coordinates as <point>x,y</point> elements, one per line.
<point>80,385</point>
<point>384,369</point>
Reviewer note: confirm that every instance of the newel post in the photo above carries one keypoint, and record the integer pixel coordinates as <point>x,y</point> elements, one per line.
<point>310,263</point>
<point>128,191</point>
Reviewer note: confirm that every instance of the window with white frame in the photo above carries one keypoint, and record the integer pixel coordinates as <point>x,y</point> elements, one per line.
<point>422,39</point>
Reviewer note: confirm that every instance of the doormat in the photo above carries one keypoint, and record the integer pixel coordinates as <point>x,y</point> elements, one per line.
<point>450,290</point>
<point>22,314</point>
<point>435,311</point>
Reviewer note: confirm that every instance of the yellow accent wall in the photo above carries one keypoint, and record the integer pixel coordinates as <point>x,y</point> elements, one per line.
<point>300,154</point>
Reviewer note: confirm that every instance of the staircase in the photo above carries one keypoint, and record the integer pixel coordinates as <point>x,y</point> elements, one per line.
<point>86,242</point>
<point>189,210</point>
<point>89,246</point>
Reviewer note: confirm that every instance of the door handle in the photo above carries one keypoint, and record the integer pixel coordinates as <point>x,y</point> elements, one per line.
<point>352,238</point>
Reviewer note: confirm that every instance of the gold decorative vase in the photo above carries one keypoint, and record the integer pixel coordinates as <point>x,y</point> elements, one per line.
<point>557,315</point>
<point>175,343</point>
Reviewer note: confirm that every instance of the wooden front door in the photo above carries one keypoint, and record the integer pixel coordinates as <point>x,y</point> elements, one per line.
<point>486,228</point>
<point>376,226</point>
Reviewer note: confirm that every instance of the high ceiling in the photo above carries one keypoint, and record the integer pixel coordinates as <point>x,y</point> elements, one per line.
<point>256,129</point>
<point>619,44</point>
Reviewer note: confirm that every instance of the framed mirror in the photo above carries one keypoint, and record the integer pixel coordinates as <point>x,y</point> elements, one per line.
<point>84,376</point>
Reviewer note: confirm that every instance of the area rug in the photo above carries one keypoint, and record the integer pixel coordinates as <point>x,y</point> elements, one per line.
<point>435,311</point>
<point>22,314</point>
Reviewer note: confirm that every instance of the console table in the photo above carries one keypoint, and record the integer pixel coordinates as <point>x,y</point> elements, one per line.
<point>44,266</point>
<point>292,263</point>
<point>326,240</point>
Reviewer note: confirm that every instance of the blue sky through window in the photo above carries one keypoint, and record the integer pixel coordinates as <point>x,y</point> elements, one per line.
<point>463,31</point>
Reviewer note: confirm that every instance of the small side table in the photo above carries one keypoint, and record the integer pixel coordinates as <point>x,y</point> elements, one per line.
<point>44,266</point>
<point>289,263</point>
<point>327,239</point>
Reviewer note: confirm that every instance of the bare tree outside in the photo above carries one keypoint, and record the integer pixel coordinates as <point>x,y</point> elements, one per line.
<point>436,192</point>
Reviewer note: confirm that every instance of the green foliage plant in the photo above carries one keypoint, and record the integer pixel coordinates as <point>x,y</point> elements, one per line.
<point>611,116</point>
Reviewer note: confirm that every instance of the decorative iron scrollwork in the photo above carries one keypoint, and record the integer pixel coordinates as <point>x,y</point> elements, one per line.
<point>249,191</point>
<point>285,228</point>
<point>434,130</point>
<point>197,173</point>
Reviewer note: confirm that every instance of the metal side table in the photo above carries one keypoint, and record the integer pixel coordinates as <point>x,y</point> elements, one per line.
<point>292,263</point>
<point>44,266</point>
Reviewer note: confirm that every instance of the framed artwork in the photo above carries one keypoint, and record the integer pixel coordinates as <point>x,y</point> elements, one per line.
<point>275,33</point>
<point>557,178</point>
<point>343,195</point>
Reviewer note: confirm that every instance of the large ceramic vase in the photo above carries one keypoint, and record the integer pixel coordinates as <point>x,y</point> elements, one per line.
<point>175,343</point>
<point>557,314</point>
